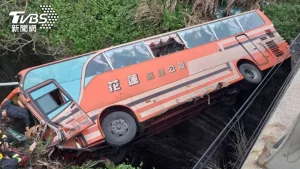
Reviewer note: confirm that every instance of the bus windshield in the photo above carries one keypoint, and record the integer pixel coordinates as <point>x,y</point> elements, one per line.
<point>66,73</point>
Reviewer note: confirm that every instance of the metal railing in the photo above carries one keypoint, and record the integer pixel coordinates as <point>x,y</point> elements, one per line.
<point>9,84</point>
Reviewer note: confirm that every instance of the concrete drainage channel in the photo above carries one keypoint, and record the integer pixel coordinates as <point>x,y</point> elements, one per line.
<point>181,146</point>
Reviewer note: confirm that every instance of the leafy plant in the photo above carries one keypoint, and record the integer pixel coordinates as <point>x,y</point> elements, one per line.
<point>286,17</point>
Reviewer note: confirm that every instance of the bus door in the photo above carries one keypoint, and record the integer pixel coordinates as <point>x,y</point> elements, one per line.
<point>58,108</point>
<point>253,51</point>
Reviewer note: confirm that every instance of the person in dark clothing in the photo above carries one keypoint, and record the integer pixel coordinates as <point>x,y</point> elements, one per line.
<point>18,114</point>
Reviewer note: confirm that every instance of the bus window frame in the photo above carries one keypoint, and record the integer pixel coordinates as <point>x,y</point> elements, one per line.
<point>51,111</point>
<point>112,68</point>
<point>224,19</point>
<point>247,13</point>
<point>213,33</point>
<point>149,49</point>
<point>45,83</point>
<point>184,41</point>
<point>239,24</point>
<point>101,55</point>
<point>165,36</point>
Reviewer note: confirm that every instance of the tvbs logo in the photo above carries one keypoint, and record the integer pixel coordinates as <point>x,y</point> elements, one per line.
<point>29,23</point>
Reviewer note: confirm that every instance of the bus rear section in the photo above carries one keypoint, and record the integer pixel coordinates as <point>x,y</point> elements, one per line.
<point>106,96</point>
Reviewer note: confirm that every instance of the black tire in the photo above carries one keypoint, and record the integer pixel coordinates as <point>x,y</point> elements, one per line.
<point>250,73</point>
<point>119,128</point>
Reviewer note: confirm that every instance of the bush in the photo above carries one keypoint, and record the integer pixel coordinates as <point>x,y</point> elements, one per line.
<point>286,17</point>
<point>85,26</point>
<point>91,25</point>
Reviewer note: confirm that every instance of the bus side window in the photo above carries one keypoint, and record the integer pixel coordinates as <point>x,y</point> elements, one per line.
<point>128,55</point>
<point>166,47</point>
<point>197,36</point>
<point>226,28</point>
<point>250,21</point>
<point>96,66</point>
<point>174,46</point>
<point>141,53</point>
<point>117,59</point>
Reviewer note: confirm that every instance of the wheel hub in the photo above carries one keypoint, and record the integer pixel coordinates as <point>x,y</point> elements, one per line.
<point>118,127</point>
<point>251,74</point>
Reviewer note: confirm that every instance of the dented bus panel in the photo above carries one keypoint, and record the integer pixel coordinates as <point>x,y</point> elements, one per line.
<point>106,95</point>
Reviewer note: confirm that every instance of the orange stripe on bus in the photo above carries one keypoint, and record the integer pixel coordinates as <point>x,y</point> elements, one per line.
<point>182,94</point>
<point>158,112</point>
<point>96,139</point>
<point>82,118</point>
<point>184,91</point>
<point>90,130</point>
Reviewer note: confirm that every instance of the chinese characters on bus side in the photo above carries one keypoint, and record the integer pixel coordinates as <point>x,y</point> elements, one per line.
<point>161,72</point>
<point>133,79</point>
<point>150,76</point>
<point>114,85</point>
<point>172,69</point>
<point>181,65</point>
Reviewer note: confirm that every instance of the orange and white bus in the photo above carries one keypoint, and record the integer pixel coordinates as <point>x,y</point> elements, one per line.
<point>106,95</point>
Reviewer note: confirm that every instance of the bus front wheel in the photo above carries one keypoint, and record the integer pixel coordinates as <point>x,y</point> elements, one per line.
<point>250,73</point>
<point>119,128</point>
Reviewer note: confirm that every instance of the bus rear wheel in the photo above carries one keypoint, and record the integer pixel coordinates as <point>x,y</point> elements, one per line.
<point>119,128</point>
<point>250,73</point>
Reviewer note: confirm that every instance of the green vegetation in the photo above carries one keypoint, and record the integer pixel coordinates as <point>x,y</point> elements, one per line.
<point>40,159</point>
<point>286,17</point>
<point>84,26</point>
